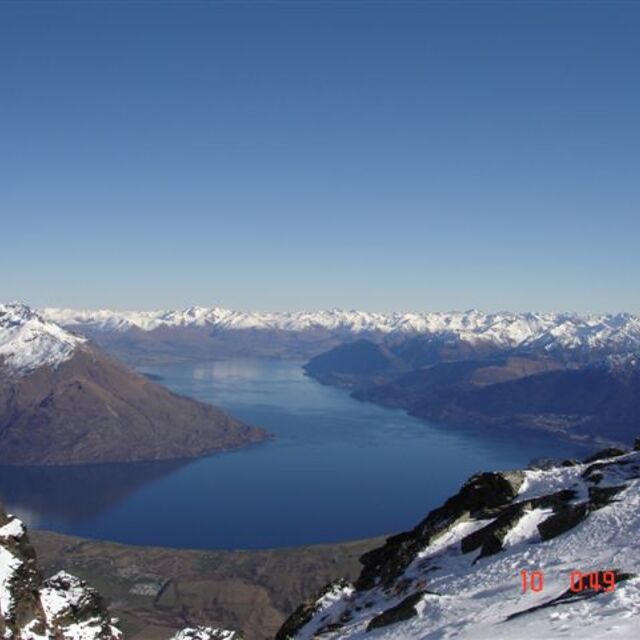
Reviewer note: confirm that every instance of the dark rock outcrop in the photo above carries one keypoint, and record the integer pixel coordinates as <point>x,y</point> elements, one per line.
<point>305,612</point>
<point>562,520</point>
<point>480,493</point>
<point>403,611</point>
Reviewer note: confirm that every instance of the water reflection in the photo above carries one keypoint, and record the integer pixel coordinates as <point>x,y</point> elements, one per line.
<point>61,495</point>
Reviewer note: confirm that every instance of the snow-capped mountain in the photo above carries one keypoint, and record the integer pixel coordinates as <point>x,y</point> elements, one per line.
<point>28,341</point>
<point>64,401</point>
<point>549,552</point>
<point>506,330</point>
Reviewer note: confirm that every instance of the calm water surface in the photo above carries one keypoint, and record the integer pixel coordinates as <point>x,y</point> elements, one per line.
<point>337,469</point>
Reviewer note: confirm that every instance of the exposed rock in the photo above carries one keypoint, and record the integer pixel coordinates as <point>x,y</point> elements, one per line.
<point>491,537</point>
<point>602,496</point>
<point>306,611</point>
<point>481,492</point>
<point>403,611</point>
<point>562,520</point>
<point>610,452</point>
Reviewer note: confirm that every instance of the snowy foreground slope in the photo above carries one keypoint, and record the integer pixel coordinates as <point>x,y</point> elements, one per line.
<point>458,573</point>
<point>616,332</point>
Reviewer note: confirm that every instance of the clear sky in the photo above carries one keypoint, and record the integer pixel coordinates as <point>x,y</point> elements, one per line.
<point>304,155</point>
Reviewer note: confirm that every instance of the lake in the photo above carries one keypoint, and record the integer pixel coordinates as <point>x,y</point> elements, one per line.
<point>337,469</point>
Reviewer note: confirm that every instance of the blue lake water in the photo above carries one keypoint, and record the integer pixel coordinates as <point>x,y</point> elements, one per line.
<point>338,469</point>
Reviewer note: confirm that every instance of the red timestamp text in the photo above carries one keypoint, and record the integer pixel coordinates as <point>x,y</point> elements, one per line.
<point>578,581</point>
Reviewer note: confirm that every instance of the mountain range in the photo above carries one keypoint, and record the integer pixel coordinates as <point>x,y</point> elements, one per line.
<point>64,401</point>
<point>571,374</point>
<point>199,332</point>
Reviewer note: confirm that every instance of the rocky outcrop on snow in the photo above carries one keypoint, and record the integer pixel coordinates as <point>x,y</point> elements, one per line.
<point>466,570</point>
<point>60,608</point>
<point>206,633</point>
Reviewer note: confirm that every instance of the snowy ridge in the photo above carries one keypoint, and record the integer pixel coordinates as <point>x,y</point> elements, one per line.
<point>28,341</point>
<point>619,332</point>
<point>466,582</point>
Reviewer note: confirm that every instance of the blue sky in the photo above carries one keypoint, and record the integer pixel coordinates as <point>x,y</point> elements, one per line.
<point>290,155</point>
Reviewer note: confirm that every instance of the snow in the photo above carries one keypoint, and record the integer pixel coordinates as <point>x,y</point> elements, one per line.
<point>206,633</point>
<point>55,602</point>
<point>28,341</point>
<point>472,598</point>
<point>9,564</point>
<point>527,527</point>
<point>549,331</point>
<point>64,594</point>
<point>13,529</point>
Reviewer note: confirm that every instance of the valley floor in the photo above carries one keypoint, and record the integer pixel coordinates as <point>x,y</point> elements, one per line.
<point>155,591</point>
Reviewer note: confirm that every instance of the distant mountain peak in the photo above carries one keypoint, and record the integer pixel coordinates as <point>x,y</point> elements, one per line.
<point>28,341</point>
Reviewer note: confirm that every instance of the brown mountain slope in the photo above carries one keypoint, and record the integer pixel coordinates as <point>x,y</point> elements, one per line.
<point>154,591</point>
<point>92,408</point>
